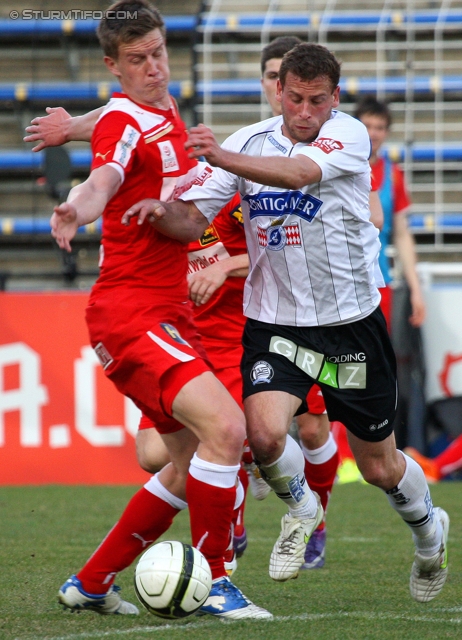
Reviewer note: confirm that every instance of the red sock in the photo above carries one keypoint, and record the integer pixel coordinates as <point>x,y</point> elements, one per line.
<point>451,458</point>
<point>146,517</point>
<point>320,478</point>
<point>210,512</point>
<point>238,514</point>
<point>340,434</point>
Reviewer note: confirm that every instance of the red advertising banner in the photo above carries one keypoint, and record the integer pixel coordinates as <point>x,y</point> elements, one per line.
<point>61,420</point>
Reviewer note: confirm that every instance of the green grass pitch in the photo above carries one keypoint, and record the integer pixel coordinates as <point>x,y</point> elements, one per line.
<point>362,593</point>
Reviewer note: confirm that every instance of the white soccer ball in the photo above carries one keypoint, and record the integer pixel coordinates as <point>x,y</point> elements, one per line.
<point>172,579</point>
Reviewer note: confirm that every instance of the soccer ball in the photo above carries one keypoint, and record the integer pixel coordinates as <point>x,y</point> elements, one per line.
<point>172,579</point>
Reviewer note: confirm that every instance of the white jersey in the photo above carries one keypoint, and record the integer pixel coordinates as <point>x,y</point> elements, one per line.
<point>313,251</point>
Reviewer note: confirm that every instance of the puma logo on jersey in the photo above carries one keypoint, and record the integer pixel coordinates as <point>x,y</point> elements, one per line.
<point>101,155</point>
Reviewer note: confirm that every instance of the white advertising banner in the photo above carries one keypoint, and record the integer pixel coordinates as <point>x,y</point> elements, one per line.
<point>442,329</point>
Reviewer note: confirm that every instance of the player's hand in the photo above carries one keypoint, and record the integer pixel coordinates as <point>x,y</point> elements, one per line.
<point>203,284</point>
<point>149,209</point>
<point>48,130</point>
<point>418,310</point>
<point>202,142</point>
<point>64,224</point>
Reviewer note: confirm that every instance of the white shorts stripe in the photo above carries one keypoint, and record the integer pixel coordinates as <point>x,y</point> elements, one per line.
<point>173,351</point>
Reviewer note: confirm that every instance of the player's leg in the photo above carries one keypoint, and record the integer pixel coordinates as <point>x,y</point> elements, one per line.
<point>407,490</point>
<point>146,517</point>
<point>321,462</point>
<point>281,463</point>
<point>207,409</point>
<point>151,451</point>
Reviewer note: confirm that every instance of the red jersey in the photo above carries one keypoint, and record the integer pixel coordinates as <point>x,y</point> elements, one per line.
<point>220,321</point>
<point>146,146</point>
<point>401,199</point>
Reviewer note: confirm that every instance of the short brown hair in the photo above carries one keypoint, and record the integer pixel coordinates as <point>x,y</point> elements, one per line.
<point>308,61</point>
<point>125,21</point>
<point>370,106</point>
<point>277,48</point>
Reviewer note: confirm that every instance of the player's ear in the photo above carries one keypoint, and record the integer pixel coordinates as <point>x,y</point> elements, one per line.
<point>278,90</point>
<point>111,64</point>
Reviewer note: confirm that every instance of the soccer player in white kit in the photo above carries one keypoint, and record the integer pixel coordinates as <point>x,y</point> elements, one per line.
<point>312,302</point>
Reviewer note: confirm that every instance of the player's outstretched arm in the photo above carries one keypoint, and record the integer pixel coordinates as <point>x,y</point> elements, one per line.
<point>85,203</point>
<point>179,220</point>
<point>59,127</point>
<point>287,173</point>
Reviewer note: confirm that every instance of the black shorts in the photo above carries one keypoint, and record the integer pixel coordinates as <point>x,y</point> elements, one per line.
<point>354,364</point>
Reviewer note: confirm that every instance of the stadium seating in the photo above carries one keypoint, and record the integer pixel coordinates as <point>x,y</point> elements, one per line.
<point>406,53</point>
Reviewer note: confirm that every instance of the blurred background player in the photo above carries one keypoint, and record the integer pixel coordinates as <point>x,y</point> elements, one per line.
<point>141,325</point>
<point>442,465</point>
<point>396,204</point>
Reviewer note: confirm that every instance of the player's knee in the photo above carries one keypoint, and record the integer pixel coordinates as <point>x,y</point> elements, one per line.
<point>376,472</point>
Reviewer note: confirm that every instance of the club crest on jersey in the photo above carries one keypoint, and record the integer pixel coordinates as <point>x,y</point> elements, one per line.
<point>277,203</point>
<point>278,237</point>
<point>261,372</point>
<point>173,333</point>
<point>168,155</point>
<point>327,145</point>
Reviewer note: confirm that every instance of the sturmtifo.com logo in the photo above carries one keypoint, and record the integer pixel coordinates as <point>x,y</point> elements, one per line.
<point>72,14</point>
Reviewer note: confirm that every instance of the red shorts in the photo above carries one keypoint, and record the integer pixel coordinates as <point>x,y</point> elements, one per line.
<point>315,401</point>
<point>149,351</point>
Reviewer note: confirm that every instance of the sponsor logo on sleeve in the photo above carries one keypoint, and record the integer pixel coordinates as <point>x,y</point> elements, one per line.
<point>203,176</point>
<point>327,145</point>
<point>126,145</point>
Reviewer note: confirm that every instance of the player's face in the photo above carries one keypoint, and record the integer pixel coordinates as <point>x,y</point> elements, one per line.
<point>269,83</point>
<point>142,69</point>
<point>306,106</point>
<point>377,129</point>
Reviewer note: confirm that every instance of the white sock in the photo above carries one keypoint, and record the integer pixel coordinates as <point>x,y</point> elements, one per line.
<point>323,453</point>
<point>411,499</point>
<point>217,475</point>
<point>154,486</point>
<point>286,477</point>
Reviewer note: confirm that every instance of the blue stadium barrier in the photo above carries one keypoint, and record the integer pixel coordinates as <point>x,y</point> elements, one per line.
<point>19,160</point>
<point>235,87</point>
<point>30,224</point>
<point>75,91</point>
<point>350,85</point>
<point>349,20</point>
<point>27,225</point>
<point>51,27</point>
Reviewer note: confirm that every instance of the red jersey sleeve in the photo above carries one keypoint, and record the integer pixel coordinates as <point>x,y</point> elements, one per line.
<point>116,140</point>
<point>401,197</point>
<point>374,182</point>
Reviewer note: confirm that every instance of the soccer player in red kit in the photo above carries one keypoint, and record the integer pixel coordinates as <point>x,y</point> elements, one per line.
<point>140,320</point>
